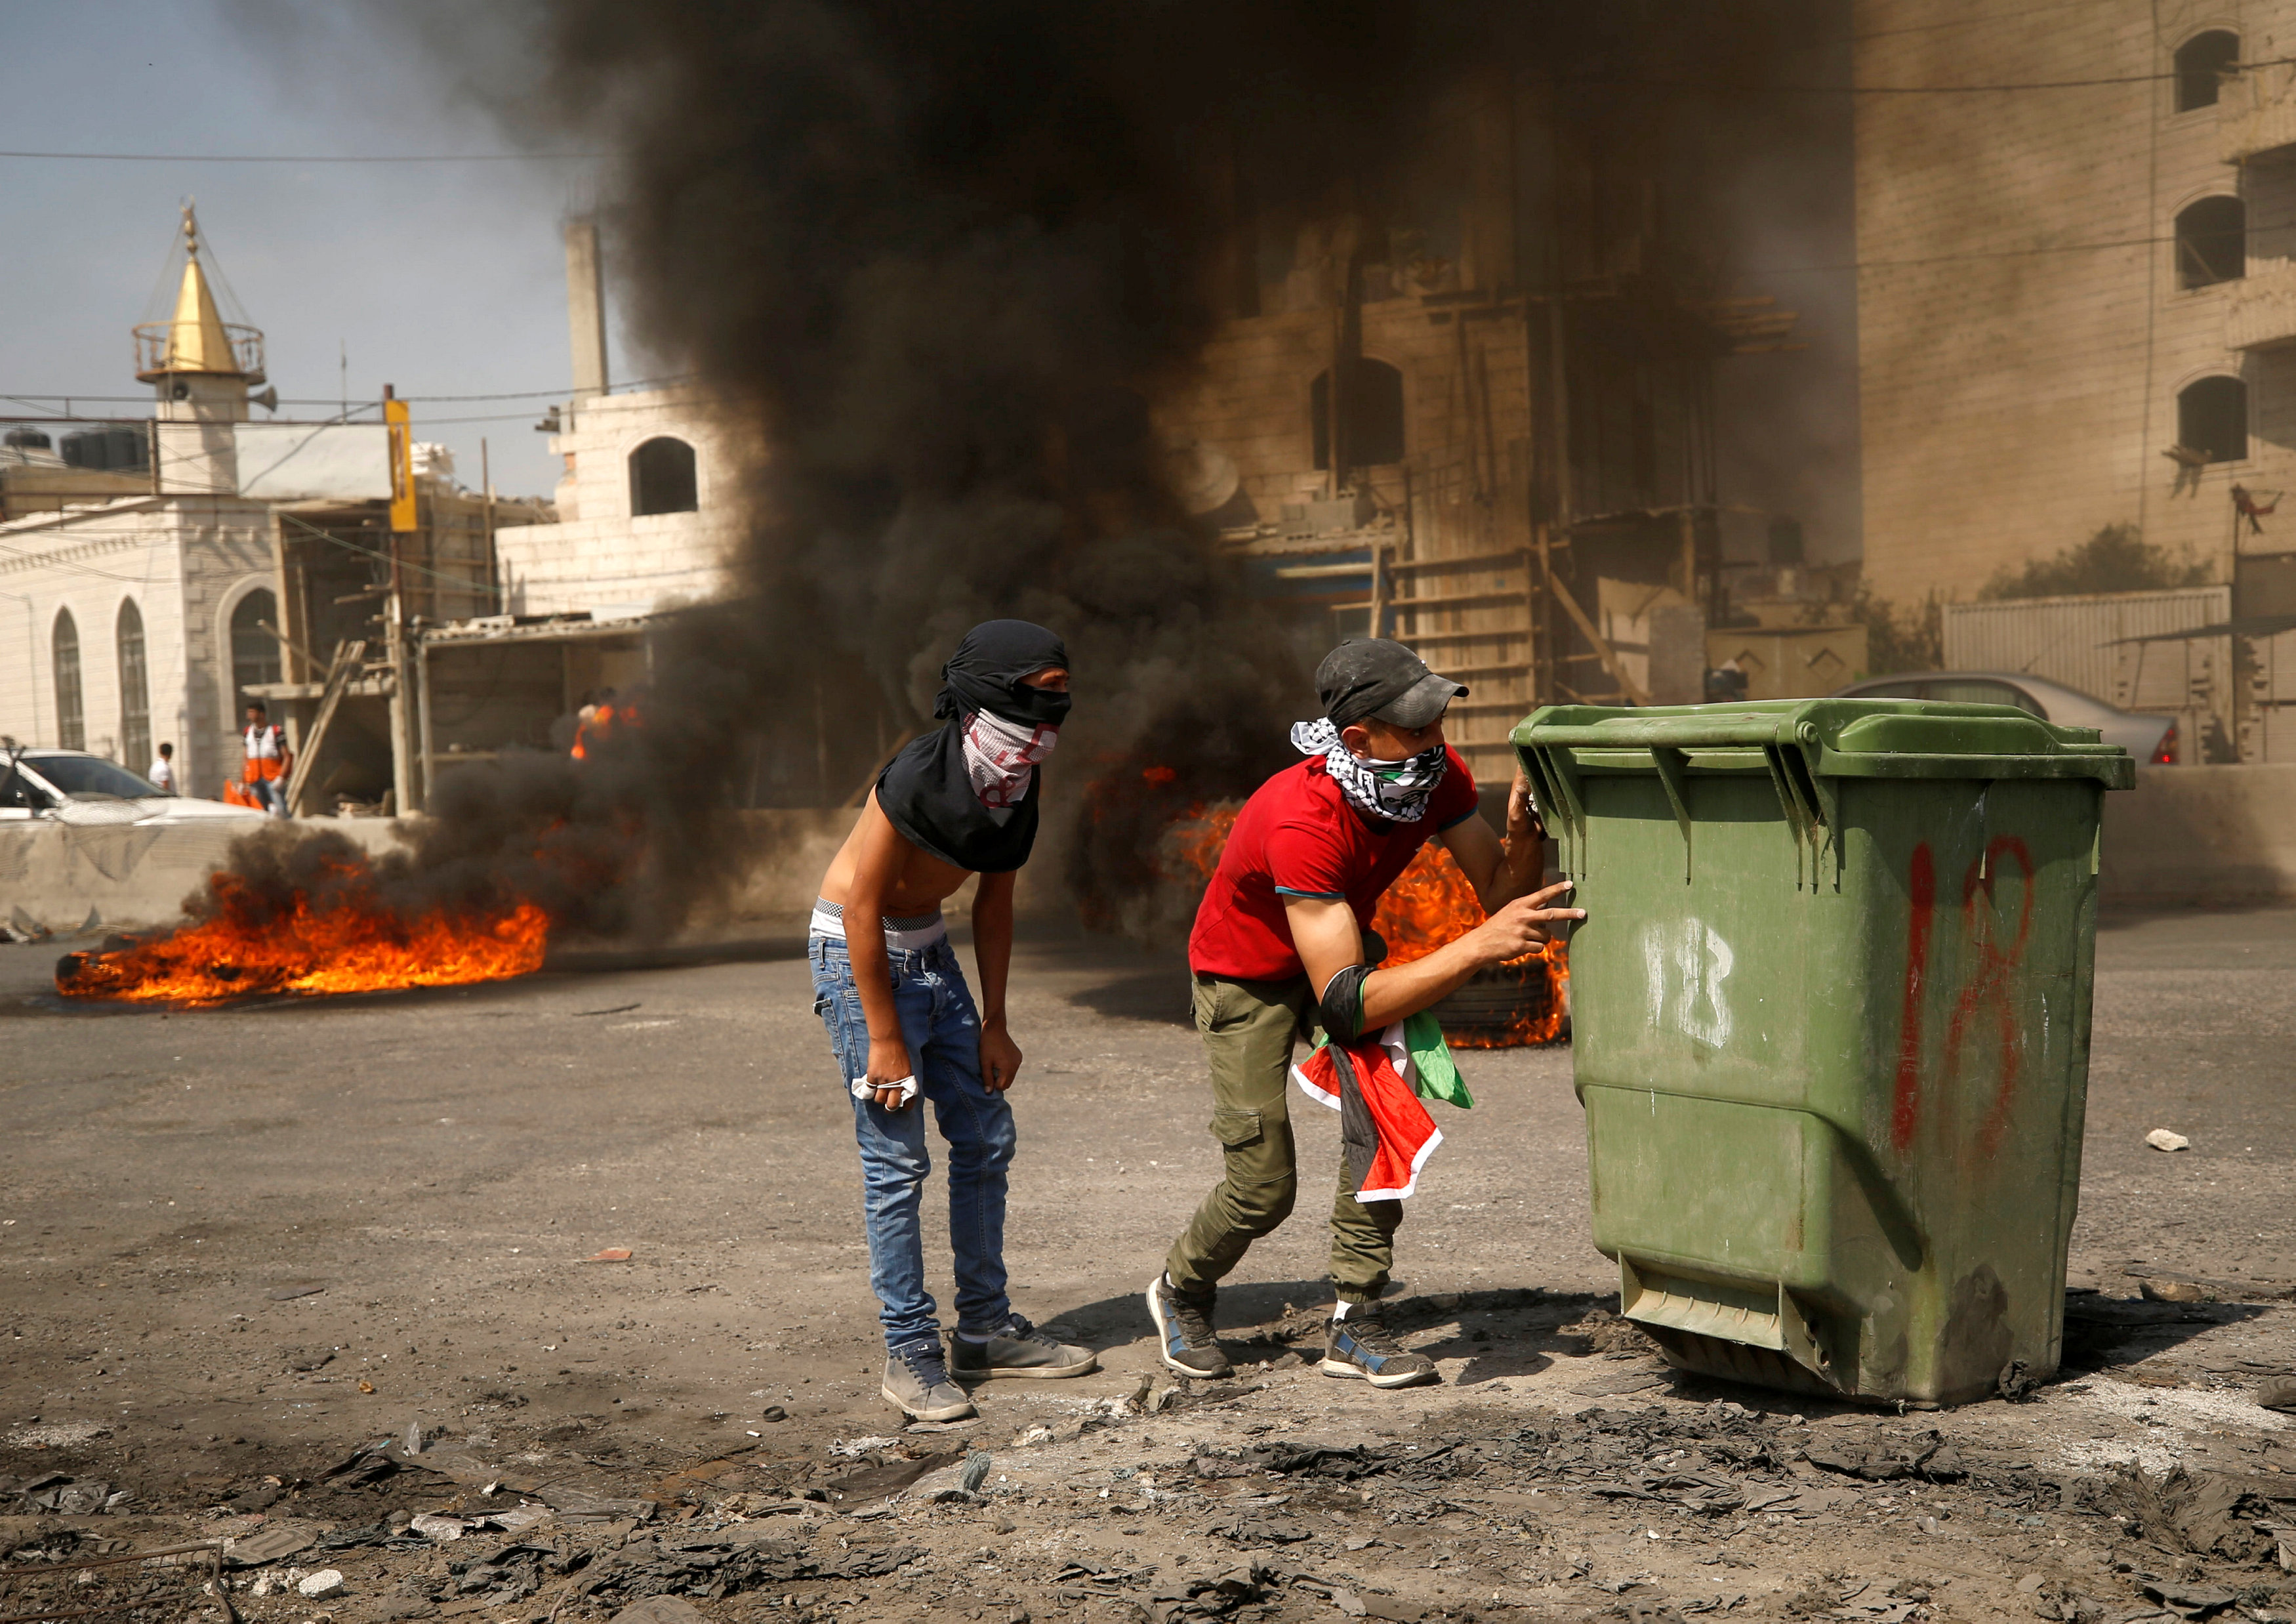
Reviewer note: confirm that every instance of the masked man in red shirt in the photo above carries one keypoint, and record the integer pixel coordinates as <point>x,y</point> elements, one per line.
<point>1279,945</point>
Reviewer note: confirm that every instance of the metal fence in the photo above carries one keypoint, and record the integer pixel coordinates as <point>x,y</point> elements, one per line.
<point>2076,641</point>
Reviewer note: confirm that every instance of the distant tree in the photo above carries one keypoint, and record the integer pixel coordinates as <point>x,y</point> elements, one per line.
<point>1901,637</point>
<point>2116,559</point>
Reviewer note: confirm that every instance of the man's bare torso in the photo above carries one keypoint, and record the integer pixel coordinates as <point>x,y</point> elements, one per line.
<point>919,885</point>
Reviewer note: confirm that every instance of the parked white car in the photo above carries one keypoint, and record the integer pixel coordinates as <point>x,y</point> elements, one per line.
<point>71,786</point>
<point>2151,738</point>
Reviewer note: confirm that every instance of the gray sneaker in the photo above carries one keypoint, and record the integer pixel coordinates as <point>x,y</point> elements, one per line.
<point>1360,1346</point>
<point>1183,1331</point>
<point>917,1380</point>
<point>1019,1349</point>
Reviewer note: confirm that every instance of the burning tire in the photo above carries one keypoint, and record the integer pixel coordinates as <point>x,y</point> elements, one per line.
<point>1525,1002</point>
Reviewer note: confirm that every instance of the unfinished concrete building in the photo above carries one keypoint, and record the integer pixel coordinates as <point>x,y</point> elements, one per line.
<point>1469,404</point>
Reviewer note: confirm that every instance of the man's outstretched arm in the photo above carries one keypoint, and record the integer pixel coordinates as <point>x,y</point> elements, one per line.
<point>1324,932</point>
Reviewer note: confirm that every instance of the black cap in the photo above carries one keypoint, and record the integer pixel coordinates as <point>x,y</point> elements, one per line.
<point>1377,677</point>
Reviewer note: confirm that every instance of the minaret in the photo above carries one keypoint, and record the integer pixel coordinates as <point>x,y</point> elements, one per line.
<point>202,368</point>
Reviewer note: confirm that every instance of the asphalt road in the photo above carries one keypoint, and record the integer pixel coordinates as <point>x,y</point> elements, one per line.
<point>439,1164</point>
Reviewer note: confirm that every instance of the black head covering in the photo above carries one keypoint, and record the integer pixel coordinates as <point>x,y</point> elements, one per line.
<point>925,791</point>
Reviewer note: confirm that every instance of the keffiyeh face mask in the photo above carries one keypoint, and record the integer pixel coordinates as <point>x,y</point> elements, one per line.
<point>999,756</point>
<point>1395,790</point>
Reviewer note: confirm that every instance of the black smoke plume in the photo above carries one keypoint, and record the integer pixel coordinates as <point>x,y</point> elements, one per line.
<point>939,261</point>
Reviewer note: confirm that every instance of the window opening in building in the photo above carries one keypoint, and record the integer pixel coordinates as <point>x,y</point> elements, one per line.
<point>2211,242</point>
<point>661,478</point>
<point>254,651</point>
<point>1372,399</point>
<point>71,727</point>
<point>2202,63</point>
<point>135,691</point>
<point>2212,419</point>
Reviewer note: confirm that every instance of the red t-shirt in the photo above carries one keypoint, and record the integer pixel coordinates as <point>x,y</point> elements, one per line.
<point>1299,836</point>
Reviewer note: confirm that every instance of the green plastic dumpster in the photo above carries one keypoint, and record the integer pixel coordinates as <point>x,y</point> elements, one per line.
<point>1831,1016</point>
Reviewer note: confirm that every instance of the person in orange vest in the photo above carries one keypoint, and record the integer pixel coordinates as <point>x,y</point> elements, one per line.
<point>268,760</point>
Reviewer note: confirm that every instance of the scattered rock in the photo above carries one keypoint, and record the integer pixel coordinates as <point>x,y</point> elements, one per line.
<point>326,1581</point>
<point>2163,1139</point>
<point>953,1483</point>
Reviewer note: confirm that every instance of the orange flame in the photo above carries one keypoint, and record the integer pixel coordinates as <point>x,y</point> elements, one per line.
<point>356,944</point>
<point>1430,905</point>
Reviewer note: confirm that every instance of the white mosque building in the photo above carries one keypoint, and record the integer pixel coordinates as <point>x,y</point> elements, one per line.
<point>130,618</point>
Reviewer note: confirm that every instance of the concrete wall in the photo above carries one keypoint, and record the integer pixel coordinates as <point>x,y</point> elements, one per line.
<point>2202,835</point>
<point>57,876</point>
<point>2022,338</point>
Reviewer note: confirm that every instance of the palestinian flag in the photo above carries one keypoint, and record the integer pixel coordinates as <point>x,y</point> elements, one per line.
<point>1376,1084</point>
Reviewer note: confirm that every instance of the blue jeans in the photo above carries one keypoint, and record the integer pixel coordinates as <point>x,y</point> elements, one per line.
<point>943,1033</point>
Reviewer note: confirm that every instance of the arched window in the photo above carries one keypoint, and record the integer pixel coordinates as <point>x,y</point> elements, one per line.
<point>2211,242</point>
<point>2202,63</point>
<point>1371,414</point>
<point>135,691</point>
<point>661,478</point>
<point>71,725</point>
<point>2212,417</point>
<point>254,651</point>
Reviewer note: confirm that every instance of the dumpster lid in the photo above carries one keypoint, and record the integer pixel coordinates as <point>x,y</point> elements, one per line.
<point>1840,738</point>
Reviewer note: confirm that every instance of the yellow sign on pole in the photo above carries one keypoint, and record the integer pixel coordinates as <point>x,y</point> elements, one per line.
<point>402,466</point>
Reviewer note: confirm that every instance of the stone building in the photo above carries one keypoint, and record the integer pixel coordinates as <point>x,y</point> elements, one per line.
<point>650,500</point>
<point>140,614</point>
<point>160,572</point>
<point>2076,293</point>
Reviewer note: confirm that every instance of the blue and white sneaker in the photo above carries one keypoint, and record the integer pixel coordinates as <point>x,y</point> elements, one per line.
<point>1183,1331</point>
<point>1361,1346</point>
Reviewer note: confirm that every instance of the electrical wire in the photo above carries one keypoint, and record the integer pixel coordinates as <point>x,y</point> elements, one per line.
<point>565,391</point>
<point>306,158</point>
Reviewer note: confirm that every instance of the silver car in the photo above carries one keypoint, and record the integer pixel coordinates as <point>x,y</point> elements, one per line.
<point>2150,739</point>
<point>72,786</point>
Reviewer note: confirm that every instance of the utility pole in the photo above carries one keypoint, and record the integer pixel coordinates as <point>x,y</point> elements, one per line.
<point>487,491</point>
<point>402,520</point>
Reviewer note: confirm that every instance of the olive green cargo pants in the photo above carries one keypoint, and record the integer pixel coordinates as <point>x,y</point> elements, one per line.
<point>1248,1029</point>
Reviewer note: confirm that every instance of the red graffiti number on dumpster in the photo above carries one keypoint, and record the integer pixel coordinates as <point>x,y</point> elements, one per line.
<point>1921,895</point>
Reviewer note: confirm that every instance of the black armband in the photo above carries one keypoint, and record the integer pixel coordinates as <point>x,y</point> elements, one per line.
<point>1342,1003</point>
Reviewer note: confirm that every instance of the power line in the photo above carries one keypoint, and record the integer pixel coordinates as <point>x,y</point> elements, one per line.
<point>304,158</point>
<point>562,392</point>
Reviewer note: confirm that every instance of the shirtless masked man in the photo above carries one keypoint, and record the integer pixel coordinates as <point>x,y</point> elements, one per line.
<point>961,801</point>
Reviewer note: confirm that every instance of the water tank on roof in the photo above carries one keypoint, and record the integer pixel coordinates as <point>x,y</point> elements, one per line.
<point>120,449</point>
<point>29,440</point>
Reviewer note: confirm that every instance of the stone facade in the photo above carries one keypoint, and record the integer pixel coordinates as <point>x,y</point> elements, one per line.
<point>185,562</point>
<point>2027,319</point>
<point>604,557</point>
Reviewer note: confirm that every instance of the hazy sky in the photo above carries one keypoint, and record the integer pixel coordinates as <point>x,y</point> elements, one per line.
<point>441,279</point>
